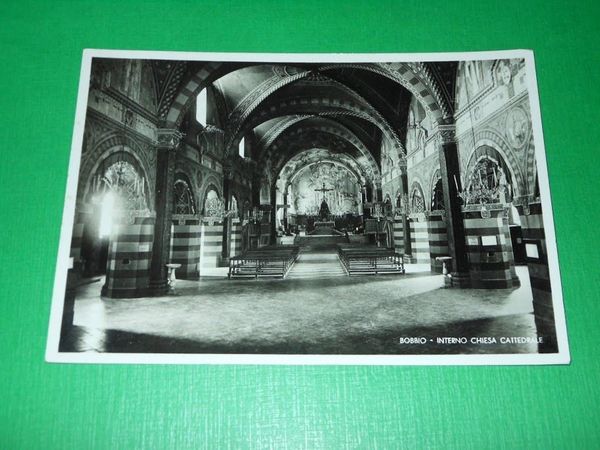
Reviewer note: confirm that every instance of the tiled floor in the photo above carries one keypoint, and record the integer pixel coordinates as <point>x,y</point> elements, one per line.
<point>325,315</point>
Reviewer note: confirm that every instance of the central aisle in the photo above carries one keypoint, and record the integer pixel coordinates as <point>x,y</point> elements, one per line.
<point>316,265</point>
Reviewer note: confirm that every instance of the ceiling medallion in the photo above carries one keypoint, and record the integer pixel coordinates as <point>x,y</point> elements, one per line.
<point>504,72</point>
<point>517,126</point>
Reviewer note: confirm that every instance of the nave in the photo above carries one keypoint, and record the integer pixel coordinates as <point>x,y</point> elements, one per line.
<point>227,206</point>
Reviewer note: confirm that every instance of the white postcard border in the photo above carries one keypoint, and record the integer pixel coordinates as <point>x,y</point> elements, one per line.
<point>63,259</point>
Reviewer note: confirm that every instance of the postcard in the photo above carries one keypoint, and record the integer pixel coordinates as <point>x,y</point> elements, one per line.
<point>246,208</point>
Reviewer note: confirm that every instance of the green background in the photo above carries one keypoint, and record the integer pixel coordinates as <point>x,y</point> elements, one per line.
<point>54,406</point>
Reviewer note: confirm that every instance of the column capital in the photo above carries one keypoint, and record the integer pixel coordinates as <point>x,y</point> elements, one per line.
<point>227,170</point>
<point>168,138</point>
<point>446,134</point>
<point>402,166</point>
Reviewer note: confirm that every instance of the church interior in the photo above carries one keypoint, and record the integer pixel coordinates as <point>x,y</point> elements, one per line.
<point>307,208</point>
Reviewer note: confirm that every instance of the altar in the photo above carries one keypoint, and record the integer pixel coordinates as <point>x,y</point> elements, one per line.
<point>324,224</point>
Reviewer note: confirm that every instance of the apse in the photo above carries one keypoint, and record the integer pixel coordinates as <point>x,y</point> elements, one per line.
<point>325,181</point>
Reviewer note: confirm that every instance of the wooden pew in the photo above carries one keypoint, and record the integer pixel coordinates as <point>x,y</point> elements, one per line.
<point>361,260</point>
<point>270,261</point>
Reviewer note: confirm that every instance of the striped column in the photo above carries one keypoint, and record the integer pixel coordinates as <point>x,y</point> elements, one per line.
<point>438,241</point>
<point>211,245</point>
<point>236,238</point>
<point>399,235</point>
<point>129,255</point>
<point>185,247</point>
<point>534,238</point>
<point>489,249</point>
<point>419,240</point>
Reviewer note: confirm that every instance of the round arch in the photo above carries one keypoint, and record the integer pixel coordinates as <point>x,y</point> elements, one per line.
<point>416,198</point>
<point>109,158</point>
<point>184,201</point>
<point>489,143</point>
<point>210,183</point>
<point>531,179</point>
<point>314,155</point>
<point>298,172</point>
<point>436,191</point>
<point>113,143</point>
<point>329,126</point>
<point>414,77</point>
<point>369,165</point>
<point>319,106</point>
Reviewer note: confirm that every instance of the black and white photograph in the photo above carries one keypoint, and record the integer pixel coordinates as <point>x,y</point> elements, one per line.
<point>239,208</point>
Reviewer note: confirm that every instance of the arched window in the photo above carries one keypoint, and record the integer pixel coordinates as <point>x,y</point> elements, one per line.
<point>213,206</point>
<point>183,198</point>
<point>120,190</point>
<point>242,148</point>
<point>417,203</point>
<point>234,206</point>
<point>387,206</point>
<point>437,197</point>
<point>398,201</point>
<point>128,187</point>
<point>490,182</point>
<point>201,106</point>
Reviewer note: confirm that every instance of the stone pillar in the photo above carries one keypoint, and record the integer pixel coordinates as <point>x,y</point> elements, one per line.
<point>419,238</point>
<point>285,211</point>
<point>534,238</point>
<point>451,184</point>
<point>255,199</point>
<point>168,141</point>
<point>405,219</point>
<point>368,206</point>
<point>226,220</point>
<point>211,246</point>
<point>129,257</point>
<point>273,215</point>
<point>236,237</point>
<point>490,253</point>
<point>185,248</point>
<point>398,235</point>
<point>438,239</point>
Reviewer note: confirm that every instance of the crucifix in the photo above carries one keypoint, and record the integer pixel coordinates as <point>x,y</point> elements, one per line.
<point>323,190</point>
<point>324,210</point>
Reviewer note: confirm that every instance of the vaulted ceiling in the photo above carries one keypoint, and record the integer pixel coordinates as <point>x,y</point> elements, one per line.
<point>349,111</point>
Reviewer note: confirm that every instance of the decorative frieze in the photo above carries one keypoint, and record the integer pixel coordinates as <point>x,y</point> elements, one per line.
<point>110,107</point>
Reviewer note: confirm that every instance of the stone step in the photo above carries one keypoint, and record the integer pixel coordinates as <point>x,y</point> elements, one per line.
<point>317,265</point>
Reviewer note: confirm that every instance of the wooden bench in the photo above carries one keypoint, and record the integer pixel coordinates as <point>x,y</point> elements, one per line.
<point>265,262</point>
<point>362,260</point>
